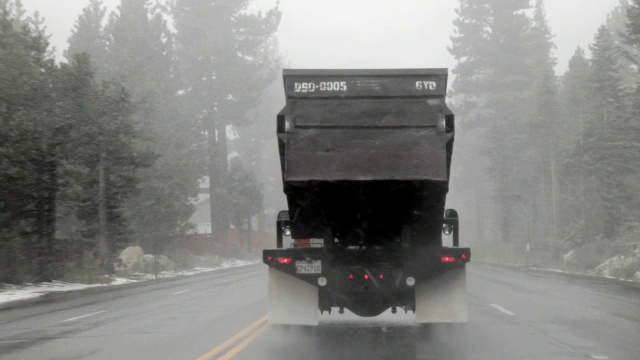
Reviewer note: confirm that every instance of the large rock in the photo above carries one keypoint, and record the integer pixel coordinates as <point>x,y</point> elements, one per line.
<point>132,258</point>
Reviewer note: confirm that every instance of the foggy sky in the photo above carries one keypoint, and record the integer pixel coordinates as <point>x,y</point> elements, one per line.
<point>369,33</point>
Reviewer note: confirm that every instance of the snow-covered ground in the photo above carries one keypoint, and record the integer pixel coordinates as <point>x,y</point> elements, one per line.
<point>590,273</point>
<point>10,293</point>
<point>624,267</point>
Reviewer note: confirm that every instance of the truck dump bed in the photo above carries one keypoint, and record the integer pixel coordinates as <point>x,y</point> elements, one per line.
<point>365,154</point>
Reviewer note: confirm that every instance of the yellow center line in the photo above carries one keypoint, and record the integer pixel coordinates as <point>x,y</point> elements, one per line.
<point>234,351</point>
<point>234,339</point>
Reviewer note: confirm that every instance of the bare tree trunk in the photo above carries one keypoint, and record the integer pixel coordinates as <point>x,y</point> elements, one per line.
<point>215,177</point>
<point>10,240</point>
<point>222,166</point>
<point>217,146</point>
<point>505,219</point>
<point>49,193</point>
<point>555,196</point>
<point>45,216</point>
<point>583,199</point>
<point>103,246</point>
<point>38,256</point>
<point>262,220</point>
<point>211,147</point>
<point>249,230</point>
<point>479,215</point>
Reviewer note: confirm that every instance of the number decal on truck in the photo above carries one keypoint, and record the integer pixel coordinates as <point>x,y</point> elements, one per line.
<point>305,87</point>
<point>426,85</point>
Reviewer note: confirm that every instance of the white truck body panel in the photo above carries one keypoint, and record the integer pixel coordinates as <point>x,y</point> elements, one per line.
<point>291,300</point>
<point>443,299</point>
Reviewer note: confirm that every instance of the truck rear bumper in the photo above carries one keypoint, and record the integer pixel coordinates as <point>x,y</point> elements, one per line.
<point>431,283</point>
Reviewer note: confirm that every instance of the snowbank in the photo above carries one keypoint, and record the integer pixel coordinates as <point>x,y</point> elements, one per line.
<point>9,293</point>
<point>624,267</point>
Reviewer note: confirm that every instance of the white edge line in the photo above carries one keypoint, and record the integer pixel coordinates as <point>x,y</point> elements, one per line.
<point>599,357</point>
<point>84,316</point>
<point>181,292</point>
<point>502,310</point>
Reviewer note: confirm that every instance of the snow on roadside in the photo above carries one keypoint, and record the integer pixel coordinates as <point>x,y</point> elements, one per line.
<point>9,293</point>
<point>624,267</point>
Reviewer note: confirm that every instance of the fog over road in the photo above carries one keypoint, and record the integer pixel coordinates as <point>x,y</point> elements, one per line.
<point>220,315</point>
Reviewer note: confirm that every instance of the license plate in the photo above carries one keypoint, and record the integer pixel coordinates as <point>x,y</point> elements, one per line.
<point>309,267</point>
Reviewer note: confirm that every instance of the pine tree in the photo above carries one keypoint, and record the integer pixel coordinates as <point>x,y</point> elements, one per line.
<point>103,173</point>
<point>88,37</point>
<point>632,211</point>
<point>470,46</point>
<point>632,39</point>
<point>225,61</point>
<point>575,97</point>
<point>65,154</point>
<point>141,57</point>
<point>632,12</point>
<point>543,154</point>
<point>257,146</point>
<point>493,47</point>
<point>139,48</point>
<point>605,162</point>
<point>245,195</point>
<point>472,30</point>
<point>28,141</point>
<point>617,25</point>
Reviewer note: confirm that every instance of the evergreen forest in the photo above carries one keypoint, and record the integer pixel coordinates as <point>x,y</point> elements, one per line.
<point>108,147</point>
<point>550,162</point>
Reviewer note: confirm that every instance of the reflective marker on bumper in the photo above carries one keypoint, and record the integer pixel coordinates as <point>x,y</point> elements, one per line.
<point>410,281</point>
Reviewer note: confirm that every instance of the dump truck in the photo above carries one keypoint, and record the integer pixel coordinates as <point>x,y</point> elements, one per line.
<point>365,157</point>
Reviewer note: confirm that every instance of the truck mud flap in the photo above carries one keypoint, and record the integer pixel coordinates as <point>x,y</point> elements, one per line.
<point>442,299</point>
<point>291,300</point>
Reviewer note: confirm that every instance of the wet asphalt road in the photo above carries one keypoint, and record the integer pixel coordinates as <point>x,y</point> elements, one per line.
<point>513,315</point>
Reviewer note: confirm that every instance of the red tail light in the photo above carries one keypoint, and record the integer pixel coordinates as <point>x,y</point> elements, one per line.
<point>366,276</point>
<point>448,259</point>
<point>284,260</point>
<point>350,276</point>
<point>381,276</point>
